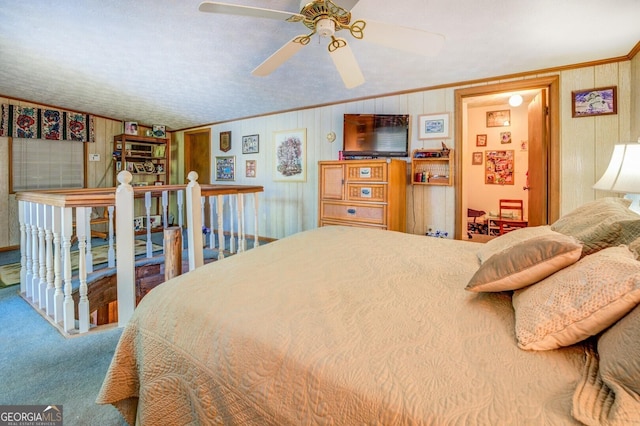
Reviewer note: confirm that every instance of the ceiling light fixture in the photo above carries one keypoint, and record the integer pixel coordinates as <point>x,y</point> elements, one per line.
<point>515,100</point>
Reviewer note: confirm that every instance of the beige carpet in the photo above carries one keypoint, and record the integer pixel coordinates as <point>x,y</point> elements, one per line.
<point>10,273</point>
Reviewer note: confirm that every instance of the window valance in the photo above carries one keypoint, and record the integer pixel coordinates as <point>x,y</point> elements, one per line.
<point>39,123</point>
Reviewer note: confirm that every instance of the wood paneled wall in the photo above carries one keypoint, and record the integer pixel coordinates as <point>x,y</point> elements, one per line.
<point>287,208</point>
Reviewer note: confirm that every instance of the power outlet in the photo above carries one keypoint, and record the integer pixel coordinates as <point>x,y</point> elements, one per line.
<point>94,157</point>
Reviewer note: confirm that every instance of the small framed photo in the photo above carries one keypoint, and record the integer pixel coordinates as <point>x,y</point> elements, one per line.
<point>226,168</point>
<point>481,140</point>
<point>500,118</point>
<point>118,166</point>
<point>433,126</point>
<point>139,167</point>
<point>158,151</point>
<point>250,168</point>
<point>476,158</point>
<point>159,131</point>
<point>130,167</point>
<point>505,137</point>
<point>587,103</point>
<point>131,128</point>
<point>250,144</point>
<point>225,141</point>
<point>158,183</point>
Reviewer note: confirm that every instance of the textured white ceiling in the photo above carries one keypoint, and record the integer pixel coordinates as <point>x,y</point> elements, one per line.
<point>164,62</point>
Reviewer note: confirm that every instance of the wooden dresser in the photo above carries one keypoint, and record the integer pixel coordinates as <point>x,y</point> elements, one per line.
<point>368,193</point>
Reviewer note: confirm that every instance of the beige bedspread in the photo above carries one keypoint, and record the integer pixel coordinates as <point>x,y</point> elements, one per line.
<point>337,326</point>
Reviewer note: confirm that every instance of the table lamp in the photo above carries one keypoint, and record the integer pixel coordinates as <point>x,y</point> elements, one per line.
<point>623,174</point>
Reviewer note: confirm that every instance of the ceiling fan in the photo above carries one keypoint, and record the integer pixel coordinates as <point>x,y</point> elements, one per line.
<point>325,18</point>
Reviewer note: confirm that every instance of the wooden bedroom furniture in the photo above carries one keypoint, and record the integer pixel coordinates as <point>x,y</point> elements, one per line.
<point>365,193</point>
<point>432,167</point>
<point>147,158</point>
<point>508,221</point>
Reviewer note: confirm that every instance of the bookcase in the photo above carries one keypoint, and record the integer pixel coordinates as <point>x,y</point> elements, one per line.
<point>432,167</point>
<point>147,158</point>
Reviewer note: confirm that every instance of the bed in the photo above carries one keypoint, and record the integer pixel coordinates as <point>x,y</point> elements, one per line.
<point>342,325</point>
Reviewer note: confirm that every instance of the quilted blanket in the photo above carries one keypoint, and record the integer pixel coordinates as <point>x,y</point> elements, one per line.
<point>339,326</point>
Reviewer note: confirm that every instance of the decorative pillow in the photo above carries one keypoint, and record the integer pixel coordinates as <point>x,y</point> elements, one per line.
<point>578,301</point>
<point>606,222</point>
<point>510,239</point>
<point>609,391</point>
<point>526,263</point>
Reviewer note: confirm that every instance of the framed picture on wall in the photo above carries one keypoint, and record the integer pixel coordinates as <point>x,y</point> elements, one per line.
<point>481,140</point>
<point>226,168</point>
<point>250,144</point>
<point>499,167</point>
<point>250,168</point>
<point>500,118</point>
<point>587,103</point>
<point>290,155</point>
<point>433,126</point>
<point>225,141</point>
<point>476,158</point>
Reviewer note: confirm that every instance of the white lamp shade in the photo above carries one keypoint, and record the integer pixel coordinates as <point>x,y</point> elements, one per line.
<point>623,172</point>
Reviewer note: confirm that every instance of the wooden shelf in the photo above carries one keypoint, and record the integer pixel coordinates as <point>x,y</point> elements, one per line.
<point>432,167</point>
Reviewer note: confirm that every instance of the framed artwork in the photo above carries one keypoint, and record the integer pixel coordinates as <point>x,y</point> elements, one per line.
<point>139,167</point>
<point>433,126</point>
<point>290,155</point>
<point>131,128</point>
<point>158,150</point>
<point>476,158</point>
<point>505,137</point>
<point>250,168</point>
<point>118,166</point>
<point>481,140</point>
<point>225,141</point>
<point>500,118</point>
<point>130,167</point>
<point>498,169</point>
<point>587,103</point>
<point>250,144</point>
<point>159,131</point>
<point>226,168</point>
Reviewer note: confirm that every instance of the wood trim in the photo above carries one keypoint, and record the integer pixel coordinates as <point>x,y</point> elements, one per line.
<point>552,84</point>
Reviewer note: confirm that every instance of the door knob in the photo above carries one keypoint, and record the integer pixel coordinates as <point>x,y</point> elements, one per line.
<point>526,188</point>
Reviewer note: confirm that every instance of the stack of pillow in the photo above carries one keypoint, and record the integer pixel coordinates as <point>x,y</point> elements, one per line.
<point>574,279</point>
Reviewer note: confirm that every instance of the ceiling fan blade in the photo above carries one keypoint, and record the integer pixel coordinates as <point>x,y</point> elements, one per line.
<point>417,42</point>
<point>347,66</point>
<point>348,4</point>
<point>256,12</point>
<point>280,56</point>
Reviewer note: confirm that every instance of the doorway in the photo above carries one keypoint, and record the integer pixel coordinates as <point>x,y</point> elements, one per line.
<point>541,148</point>
<point>197,154</point>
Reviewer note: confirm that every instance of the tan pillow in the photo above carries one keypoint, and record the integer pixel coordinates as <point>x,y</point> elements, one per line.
<point>510,239</point>
<point>578,301</point>
<point>526,263</point>
<point>609,391</point>
<point>606,222</point>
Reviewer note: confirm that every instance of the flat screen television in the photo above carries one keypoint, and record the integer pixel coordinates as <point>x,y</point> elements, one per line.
<point>376,135</point>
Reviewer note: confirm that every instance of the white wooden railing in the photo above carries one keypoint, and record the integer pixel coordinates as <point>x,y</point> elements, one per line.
<point>47,220</point>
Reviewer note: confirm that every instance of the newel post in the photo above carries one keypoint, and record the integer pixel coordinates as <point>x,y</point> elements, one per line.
<point>194,222</point>
<point>125,251</point>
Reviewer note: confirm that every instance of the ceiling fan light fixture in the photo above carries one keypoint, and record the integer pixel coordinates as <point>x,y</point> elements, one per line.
<point>325,27</point>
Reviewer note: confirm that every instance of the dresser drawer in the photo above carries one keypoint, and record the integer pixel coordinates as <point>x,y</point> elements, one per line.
<point>365,213</point>
<point>372,172</point>
<point>351,223</point>
<point>376,192</point>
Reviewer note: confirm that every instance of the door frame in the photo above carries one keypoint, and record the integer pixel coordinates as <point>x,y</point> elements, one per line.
<point>187,149</point>
<point>552,84</point>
